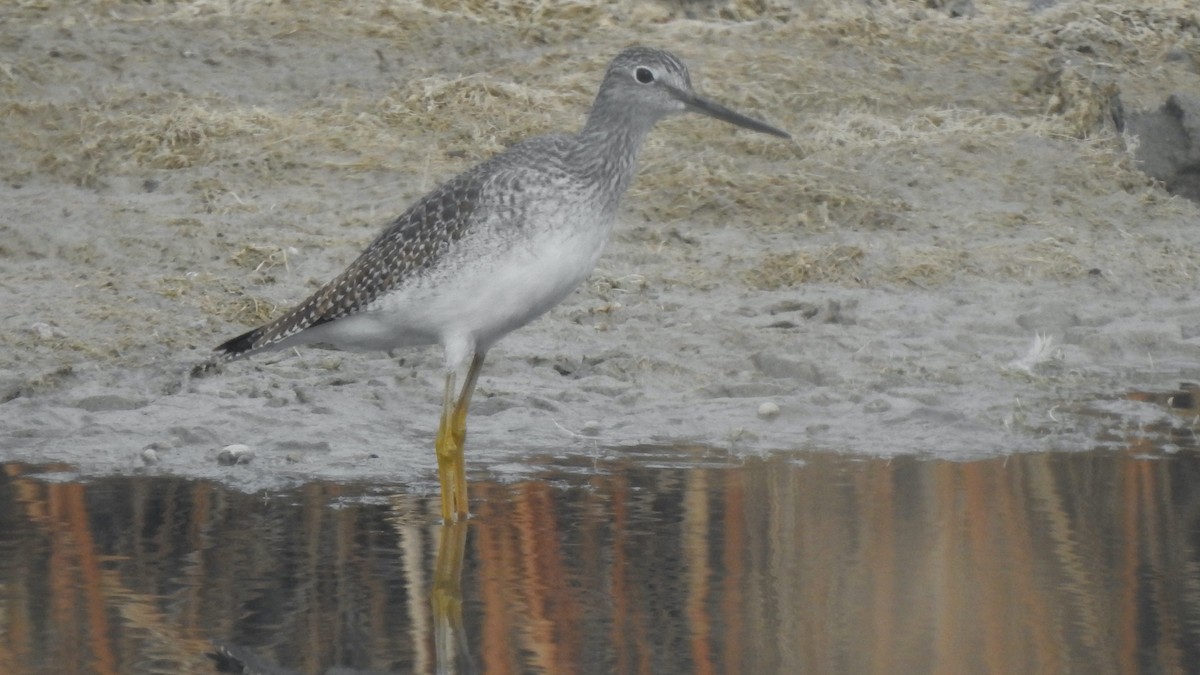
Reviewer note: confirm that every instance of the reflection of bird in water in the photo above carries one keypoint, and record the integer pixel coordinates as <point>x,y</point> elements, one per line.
<point>495,247</point>
<point>449,636</point>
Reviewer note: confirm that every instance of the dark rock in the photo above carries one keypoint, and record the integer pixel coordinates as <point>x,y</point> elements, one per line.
<point>774,365</point>
<point>1169,144</point>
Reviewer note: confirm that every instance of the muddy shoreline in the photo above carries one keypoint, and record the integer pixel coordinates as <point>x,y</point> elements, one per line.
<point>958,256</point>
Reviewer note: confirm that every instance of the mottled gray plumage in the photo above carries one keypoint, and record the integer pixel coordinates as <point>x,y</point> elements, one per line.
<point>501,243</point>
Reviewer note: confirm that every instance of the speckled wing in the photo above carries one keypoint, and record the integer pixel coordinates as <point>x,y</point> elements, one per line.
<point>413,242</point>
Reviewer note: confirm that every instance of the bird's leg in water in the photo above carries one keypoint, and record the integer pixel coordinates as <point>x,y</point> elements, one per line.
<point>451,440</point>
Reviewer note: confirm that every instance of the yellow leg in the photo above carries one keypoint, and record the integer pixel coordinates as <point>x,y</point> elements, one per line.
<point>449,455</point>
<point>452,434</point>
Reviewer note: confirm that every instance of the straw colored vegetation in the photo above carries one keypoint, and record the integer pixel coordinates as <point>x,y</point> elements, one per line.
<point>833,264</point>
<point>871,91</point>
<point>217,297</point>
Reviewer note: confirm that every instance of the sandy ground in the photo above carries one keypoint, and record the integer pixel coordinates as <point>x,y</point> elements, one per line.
<point>956,256</point>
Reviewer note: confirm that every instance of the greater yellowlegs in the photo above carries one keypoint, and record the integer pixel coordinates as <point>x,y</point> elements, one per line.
<point>495,247</point>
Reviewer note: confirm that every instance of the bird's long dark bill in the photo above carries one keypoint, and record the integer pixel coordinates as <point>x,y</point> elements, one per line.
<point>713,109</point>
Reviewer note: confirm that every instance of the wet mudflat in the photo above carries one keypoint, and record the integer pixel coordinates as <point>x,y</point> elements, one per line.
<point>668,560</point>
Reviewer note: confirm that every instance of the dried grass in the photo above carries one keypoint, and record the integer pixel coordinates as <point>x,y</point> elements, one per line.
<point>1046,258</point>
<point>851,80</point>
<point>476,114</point>
<point>849,265</point>
<point>500,112</point>
<point>217,296</point>
<point>924,266</point>
<point>261,258</point>
<point>830,264</point>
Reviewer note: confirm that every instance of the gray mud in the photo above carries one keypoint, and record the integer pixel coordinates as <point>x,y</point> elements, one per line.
<point>958,256</point>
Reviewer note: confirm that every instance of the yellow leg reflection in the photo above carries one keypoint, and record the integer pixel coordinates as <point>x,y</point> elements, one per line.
<point>452,434</point>
<point>449,637</point>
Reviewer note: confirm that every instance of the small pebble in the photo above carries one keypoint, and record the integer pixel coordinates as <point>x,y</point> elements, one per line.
<point>42,330</point>
<point>235,454</point>
<point>150,457</point>
<point>768,410</point>
<point>590,428</point>
<point>877,405</point>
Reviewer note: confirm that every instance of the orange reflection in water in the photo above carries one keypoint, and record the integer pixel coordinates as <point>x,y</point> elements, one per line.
<point>706,564</point>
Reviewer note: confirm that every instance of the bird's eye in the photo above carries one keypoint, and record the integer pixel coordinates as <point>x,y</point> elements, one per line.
<point>644,75</point>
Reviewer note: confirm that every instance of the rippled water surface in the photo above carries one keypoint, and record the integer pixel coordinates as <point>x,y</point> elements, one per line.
<point>671,560</point>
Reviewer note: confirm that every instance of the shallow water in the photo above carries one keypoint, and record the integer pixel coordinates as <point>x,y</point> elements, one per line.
<point>671,560</point>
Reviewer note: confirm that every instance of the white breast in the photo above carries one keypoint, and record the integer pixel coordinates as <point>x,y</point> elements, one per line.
<point>500,285</point>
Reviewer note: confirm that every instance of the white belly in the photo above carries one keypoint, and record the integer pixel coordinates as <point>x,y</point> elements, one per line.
<point>501,294</point>
<point>474,299</point>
